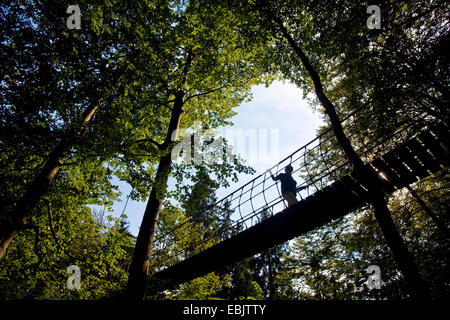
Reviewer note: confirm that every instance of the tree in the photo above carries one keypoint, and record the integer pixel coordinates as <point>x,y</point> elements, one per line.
<point>36,264</point>
<point>213,74</point>
<point>367,176</point>
<point>203,288</point>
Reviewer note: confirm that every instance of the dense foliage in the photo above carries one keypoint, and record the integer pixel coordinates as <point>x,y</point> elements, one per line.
<point>105,94</point>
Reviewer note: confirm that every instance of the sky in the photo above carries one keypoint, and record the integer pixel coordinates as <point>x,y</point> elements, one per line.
<point>277,116</point>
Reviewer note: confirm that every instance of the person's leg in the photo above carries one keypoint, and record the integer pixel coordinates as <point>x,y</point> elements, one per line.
<point>290,198</point>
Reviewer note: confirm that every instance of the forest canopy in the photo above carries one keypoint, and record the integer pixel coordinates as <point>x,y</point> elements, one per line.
<point>105,101</point>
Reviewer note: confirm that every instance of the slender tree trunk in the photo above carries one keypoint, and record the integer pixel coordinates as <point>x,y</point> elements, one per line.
<point>40,185</point>
<point>139,268</point>
<point>383,216</point>
<point>271,285</point>
<point>140,263</point>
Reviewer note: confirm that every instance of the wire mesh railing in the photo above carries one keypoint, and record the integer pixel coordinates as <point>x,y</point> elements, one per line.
<point>316,164</point>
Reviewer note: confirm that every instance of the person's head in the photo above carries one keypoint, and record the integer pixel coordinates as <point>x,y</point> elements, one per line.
<point>289,169</point>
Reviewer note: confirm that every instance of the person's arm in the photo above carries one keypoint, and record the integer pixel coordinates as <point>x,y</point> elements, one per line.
<point>271,174</point>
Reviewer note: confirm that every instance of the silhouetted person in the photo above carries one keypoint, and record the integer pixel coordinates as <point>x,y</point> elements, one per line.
<point>288,185</point>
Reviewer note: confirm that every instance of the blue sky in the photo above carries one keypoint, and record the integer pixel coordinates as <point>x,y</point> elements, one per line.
<point>278,108</point>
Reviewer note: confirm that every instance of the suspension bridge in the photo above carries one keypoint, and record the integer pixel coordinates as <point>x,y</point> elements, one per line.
<point>255,217</point>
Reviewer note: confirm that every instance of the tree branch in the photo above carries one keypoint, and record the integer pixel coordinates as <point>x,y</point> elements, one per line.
<point>37,248</point>
<point>205,93</point>
<point>156,143</point>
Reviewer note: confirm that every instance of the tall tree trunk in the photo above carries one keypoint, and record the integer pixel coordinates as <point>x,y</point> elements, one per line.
<point>140,263</point>
<point>40,185</point>
<point>139,268</point>
<point>383,216</point>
